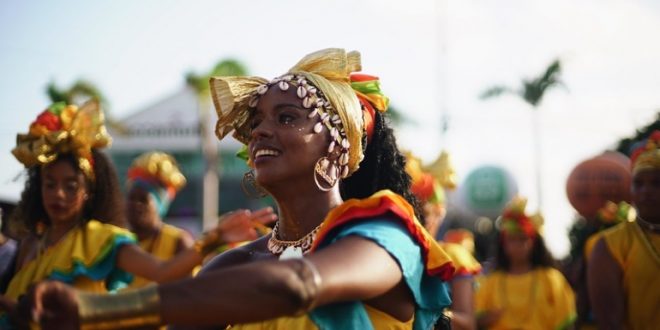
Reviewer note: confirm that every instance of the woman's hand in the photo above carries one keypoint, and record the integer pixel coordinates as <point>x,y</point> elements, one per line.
<point>54,305</point>
<point>242,225</point>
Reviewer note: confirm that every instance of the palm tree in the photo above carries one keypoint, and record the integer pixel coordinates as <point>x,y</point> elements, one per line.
<point>200,83</point>
<point>80,92</point>
<point>532,92</point>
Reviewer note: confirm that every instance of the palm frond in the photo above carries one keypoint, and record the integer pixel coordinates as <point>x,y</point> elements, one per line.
<point>55,94</point>
<point>495,91</point>
<point>534,89</point>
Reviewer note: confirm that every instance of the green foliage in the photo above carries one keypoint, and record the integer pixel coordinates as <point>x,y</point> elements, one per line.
<point>532,90</point>
<point>227,67</point>
<point>80,92</point>
<point>625,145</point>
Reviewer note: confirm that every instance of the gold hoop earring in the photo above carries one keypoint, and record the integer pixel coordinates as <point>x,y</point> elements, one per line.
<point>250,186</point>
<point>321,169</point>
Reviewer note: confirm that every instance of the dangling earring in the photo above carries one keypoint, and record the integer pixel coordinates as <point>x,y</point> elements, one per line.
<point>250,186</point>
<point>321,169</point>
<point>40,228</point>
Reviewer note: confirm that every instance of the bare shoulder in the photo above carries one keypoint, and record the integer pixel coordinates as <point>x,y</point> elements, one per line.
<point>255,250</point>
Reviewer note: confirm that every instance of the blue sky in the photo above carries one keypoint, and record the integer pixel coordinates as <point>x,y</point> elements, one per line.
<point>432,56</point>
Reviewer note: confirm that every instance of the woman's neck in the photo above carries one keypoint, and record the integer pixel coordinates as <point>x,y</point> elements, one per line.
<point>299,214</point>
<point>519,267</point>
<point>59,229</point>
<point>148,231</point>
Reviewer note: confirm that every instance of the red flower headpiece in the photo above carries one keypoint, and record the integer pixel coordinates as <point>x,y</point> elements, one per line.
<point>514,220</point>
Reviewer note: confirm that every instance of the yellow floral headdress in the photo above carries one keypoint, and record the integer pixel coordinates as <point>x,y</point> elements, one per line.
<point>326,72</point>
<point>647,156</point>
<point>64,129</point>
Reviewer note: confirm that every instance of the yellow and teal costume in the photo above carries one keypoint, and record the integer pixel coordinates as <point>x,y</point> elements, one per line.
<point>388,220</point>
<point>85,258</point>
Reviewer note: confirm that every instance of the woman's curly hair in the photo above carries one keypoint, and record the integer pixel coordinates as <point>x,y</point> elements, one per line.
<point>383,167</point>
<point>105,202</point>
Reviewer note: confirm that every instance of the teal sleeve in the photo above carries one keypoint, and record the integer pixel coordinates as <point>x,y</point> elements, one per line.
<point>430,293</point>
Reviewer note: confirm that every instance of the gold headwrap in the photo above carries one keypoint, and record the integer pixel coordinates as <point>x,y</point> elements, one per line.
<point>160,168</point>
<point>329,70</point>
<point>64,129</point>
<point>647,157</point>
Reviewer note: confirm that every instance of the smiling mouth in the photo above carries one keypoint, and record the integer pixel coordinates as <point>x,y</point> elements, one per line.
<point>266,153</point>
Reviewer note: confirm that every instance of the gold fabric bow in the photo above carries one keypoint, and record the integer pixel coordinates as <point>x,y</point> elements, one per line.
<point>80,131</point>
<point>328,69</point>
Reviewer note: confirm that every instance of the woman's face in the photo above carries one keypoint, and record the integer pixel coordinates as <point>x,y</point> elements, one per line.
<point>518,247</point>
<point>284,147</point>
<point>141,208</point>
<point>63,191</point>
<point>646,194</point>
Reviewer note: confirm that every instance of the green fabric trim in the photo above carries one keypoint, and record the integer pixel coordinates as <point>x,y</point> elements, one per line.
<point>367,87</point>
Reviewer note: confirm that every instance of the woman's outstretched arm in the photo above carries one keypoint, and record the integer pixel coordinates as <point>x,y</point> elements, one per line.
<point>353,268</point>
<point>233,227</point>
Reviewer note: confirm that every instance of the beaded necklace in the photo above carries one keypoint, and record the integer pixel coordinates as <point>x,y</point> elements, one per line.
<point>287,249</point>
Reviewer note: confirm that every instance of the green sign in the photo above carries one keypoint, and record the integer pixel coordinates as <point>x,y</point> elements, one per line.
<point>487,189</point>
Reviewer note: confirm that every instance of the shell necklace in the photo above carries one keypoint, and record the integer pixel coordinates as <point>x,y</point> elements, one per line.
<point>291,249</point>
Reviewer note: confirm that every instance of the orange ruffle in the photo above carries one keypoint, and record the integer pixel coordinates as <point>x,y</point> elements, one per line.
<point>436,261</point>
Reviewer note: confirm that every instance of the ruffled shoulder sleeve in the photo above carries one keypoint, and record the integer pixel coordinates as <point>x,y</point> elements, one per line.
<point>93,253</point>
<point>436,261</point>
<point>464,262</point>
<point>388,220</point>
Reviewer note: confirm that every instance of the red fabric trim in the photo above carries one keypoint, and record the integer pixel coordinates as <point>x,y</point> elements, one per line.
<point>139,173</point>
<point>361,77</point>
<point>467,272</point>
